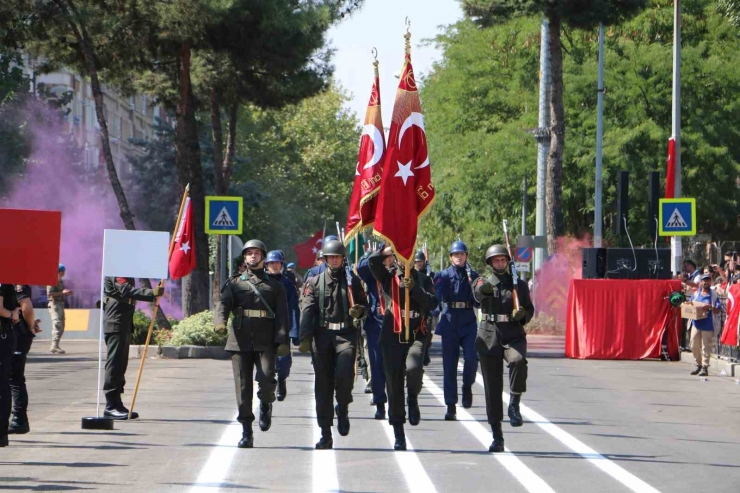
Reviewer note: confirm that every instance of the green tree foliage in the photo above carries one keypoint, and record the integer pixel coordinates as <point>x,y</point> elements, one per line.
<point>14,142</point>
<point>730,8</point>
<point>480,103</point>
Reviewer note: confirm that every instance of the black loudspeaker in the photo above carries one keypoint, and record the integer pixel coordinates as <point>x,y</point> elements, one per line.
<point>623,184</point>
<point>619,263</point>
<point>653,198</point>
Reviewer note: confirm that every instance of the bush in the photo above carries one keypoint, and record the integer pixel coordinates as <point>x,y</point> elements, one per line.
<point>141,327</point>
<point>197,330</point>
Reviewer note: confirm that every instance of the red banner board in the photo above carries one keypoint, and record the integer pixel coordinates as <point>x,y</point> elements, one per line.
<point>29,246</point>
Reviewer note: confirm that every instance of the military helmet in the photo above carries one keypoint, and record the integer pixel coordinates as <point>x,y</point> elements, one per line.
<point>458,247</point>
<point>330,238</point>
<point>495,251</point>
<point>320,254</point>
<point>275,256</point>
<point>62,268</point>
<point>290,266</point>
<point>420,257</point>
<point>254,244</point>
<point>334,247</point>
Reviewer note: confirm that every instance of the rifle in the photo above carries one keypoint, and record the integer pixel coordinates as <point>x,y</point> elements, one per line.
<point>426,256</point>
<point>514,275</point>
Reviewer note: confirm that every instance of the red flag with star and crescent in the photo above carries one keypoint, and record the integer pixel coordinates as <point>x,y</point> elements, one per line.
<point>406,190</point>
<point>730,332</point>
<point>307,250</point>
<point>363,202</point>
<point>182,260</point>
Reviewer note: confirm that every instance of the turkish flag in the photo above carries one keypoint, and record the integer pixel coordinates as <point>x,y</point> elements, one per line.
<point>182,260</point>
<point>363,202</point>
<point>307,250</point>
<point>29,249</point>
<point>406,190</point>
<point>670,174</point>
<point>729,334</point>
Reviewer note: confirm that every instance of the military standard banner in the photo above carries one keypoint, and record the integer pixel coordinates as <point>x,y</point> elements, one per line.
<point>29,249</point>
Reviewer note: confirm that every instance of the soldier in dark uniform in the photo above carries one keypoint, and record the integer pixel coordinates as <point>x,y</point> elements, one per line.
<point>258,333</point>
<point>119,304</point>
<point>501,337</point>
<point>402,355</point>
<point>330,315</point>
<point>26,329</point>
<point>9,315</point>
<point>274,265</point>
<point>457,326</point>
<point>422,266</point>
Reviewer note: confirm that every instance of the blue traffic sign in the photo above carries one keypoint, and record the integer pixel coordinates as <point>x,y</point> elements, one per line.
<point>224,215</point>
<point>523,254</point>
<point>677,217</point>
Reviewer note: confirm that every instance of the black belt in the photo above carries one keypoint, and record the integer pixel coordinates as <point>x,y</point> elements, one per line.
<point>129,301</point>
<point>257,314</point>
<point>458,304</point>
<point>335,326</point>
<point>498,318</point>
<point>412,314</point>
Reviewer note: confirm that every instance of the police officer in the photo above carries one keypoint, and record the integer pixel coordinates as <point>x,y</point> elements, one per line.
<point>372,327</point>
<point>56,295</point>
<point>274,264</point>
<point>258,333</point>
<point>26,329</point>
<point>330,317</point>
<point>119,304</point>
<point>421,265</point>
<point>457,326</point>
<point>9,315</point>
<point>501,337</point>
<point>402,355</point>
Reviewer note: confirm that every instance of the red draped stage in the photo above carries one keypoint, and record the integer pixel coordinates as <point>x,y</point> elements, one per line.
<point>621,319</point>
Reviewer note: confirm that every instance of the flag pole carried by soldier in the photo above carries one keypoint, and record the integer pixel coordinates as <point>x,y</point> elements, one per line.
<point>333,306</point>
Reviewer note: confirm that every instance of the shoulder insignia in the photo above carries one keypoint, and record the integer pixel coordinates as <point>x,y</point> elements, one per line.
<point>121,280</point>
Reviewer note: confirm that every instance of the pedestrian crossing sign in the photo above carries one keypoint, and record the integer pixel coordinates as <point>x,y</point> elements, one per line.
<point>224,215</point>
<point>677,217</point>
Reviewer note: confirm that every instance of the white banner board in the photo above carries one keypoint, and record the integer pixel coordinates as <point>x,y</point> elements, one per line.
<point>140,254</point>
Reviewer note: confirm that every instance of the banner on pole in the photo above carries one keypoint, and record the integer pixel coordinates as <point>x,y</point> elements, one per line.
<point>136,254</point>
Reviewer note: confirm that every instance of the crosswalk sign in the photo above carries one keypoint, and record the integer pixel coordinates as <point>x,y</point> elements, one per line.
<point>677,217</point>
<point>224,215</point>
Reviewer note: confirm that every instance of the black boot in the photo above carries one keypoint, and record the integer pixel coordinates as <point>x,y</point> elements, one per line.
<point>19,424</point>
<point>114,407</point>
<point>400,437</point>
<point>3,438</point>
<point>414,412</point>
<point>696,370</point>
<point>704,371</point>
<point>380,411</point>
<point>498,438</point>
<point>515,417</point>
<point>326,442</point>
<point>369,387</point>
<point>265,416</point>
<point>282,390</point>
<point>342,419</point>
<point>451,414</point>
<point>467,396</point>
<point>247,440</point>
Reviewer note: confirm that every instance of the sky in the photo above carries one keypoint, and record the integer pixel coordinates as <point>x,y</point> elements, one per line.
<point>380,24</point>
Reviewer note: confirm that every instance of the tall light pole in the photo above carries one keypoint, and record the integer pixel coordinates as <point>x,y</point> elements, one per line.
<point>542,136</point>
<point>676,253</point>
<point>598,219</point>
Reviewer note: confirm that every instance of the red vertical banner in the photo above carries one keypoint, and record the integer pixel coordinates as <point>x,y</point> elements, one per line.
<point>182,260</point>
<point>29,249</point>
<point>670,174</point>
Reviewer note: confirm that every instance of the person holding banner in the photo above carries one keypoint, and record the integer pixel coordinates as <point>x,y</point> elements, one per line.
<point>333,305</point>
<point>258,333</point>
<point>506,307</point>
<point>119,304</point>
<point>402,355</point>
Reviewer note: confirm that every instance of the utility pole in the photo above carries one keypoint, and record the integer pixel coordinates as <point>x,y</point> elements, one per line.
<point>542,136</point>
<point>524,217</point>
<point>676,253</point>
<point>598,215</point>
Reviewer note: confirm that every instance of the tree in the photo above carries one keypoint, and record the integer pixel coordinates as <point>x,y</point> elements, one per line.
<point>14,87</point>
<point>573,13</point>
<point>731,9</point>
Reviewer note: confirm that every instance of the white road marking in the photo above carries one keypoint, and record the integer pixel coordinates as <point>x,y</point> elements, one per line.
<point>417,479</point>
<point>324,467</point>
<point>516,467</point>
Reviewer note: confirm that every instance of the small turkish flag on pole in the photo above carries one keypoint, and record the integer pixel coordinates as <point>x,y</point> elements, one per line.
<point>307,250</point>
<point>182,256</point>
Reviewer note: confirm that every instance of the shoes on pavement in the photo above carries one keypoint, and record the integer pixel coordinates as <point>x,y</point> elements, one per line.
<point>380,411</point>
<point>704,371</point>
<point>342,419</point>
<point>369,387</point>
<point>515,417</point>
<point>18,425</point>
<point>498,438</point>
<point>414,412</point>
<point>282,390</point>
<point>467,396</point>
<point>400,435</point>
<point>55,349</point>
<point>326,442</point>
<point>451,414</point>
<point>696,370</point>
<point>265,416</point>
<point>3,440</point>
<point>247,440</point>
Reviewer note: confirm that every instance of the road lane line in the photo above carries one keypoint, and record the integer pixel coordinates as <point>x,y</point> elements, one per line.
<point>617,472</point>
<point>214,472</point>
<point>523,474</point>
<point>417,479</point>
<point>324,465</point>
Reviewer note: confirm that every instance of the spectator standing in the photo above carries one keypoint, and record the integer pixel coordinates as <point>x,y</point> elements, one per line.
<point>56,295</point>
<point>702,331</point>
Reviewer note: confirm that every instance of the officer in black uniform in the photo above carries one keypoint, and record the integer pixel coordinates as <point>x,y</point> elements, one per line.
<point>422,267</point>
<point>9,315</point>
<point>401,355</point>
<point>26,329</point>
<point>119,304</point>
<point>501,337</point>
<point>258,333</point>
<point>330,320</point>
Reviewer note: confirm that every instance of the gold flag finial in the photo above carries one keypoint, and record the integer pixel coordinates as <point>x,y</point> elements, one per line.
<point>407,36</point>
<point>376,62</point>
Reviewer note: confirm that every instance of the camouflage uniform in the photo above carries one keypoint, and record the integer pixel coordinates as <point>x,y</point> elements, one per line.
<point>56,312</point>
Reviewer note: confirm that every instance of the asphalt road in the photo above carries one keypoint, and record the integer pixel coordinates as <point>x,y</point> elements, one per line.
<point>590,426</point>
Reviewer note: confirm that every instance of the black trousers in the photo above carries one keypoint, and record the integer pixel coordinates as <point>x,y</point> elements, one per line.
<point>334,372</point>
<point>399,360</point>
<point>492,367</point>
<point>243,365</point>
<point>116,363</point>
<point>7,347</point>
<point>18,372</point>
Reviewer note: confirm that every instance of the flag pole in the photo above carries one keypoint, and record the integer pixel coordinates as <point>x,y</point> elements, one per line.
<point>407,301</point>
<point>156,303</point>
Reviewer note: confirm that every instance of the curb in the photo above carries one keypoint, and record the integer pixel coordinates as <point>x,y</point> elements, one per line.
<point>716,364</point>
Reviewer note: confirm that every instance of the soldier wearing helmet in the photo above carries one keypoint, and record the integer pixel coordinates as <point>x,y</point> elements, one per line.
<point>56,296</point>
<point>422,266</point>
<point>457,326</point>
<point>258,334</point>
<point>501,336</point>
<point>334,304</point>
